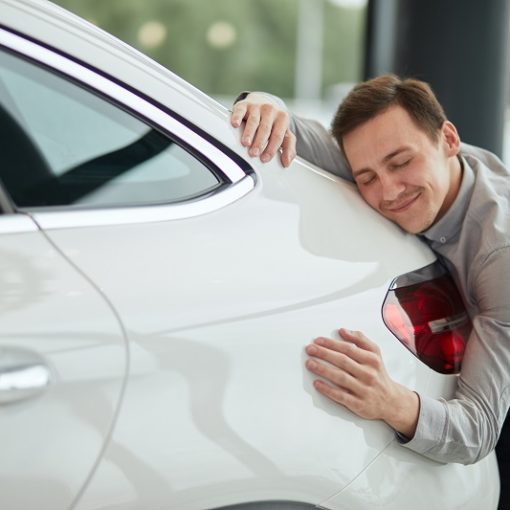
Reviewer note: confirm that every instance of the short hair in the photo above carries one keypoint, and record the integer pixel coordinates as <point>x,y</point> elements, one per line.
<point>372,97</point>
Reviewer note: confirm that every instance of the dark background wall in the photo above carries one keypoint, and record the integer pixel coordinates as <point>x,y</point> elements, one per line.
<point>460,47</point>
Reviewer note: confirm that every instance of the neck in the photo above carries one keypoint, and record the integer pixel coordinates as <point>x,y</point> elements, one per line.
<point>456,169</point>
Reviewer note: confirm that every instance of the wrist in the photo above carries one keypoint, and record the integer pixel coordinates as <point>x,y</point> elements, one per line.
<point>404,411</point>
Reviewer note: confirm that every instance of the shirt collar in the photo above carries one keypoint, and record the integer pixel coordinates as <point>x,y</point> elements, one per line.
<point>448,226</point>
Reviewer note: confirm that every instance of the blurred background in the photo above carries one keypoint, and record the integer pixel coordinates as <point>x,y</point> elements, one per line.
<point>309,52</point>
<point>288,47</point>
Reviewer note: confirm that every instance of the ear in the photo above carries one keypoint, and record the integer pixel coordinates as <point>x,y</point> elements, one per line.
<point>450,138</point>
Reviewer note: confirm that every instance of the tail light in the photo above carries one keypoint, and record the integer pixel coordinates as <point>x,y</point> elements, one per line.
<point>424,310</point>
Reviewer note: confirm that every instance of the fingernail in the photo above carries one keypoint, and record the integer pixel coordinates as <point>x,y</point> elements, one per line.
<point>317,384</point>
<point>265,158</point>
<point>255,152</point>
<point>247,141</point>
<point>311,364</point>
<point>311,349</point>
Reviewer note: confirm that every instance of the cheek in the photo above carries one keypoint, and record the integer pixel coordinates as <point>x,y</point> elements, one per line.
<point>369,195</point>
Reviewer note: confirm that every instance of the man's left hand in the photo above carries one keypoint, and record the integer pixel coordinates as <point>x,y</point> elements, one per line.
<point>353,374</point>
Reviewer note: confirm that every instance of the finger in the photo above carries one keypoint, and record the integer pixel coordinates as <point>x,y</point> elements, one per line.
<point>264,130</point>
<point>366,370</point>
<point>335,375</point>
<point>345,347</point>
<point>252,118</point>
<point>360,364</point>
<point>276,137</point>
<point>359,339</point>
<point>338,395</point>
<point>288,148</point>
<point>335,357</point>
<point>238,113</point>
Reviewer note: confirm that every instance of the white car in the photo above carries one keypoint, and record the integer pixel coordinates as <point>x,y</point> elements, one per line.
<point>158,288</point>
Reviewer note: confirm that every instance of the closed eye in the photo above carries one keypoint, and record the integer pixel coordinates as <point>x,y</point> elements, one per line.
<point>402,164</point>
<point>368,179</point>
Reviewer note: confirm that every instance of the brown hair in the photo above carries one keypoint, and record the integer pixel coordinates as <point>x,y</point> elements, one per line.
<point>368,99</point>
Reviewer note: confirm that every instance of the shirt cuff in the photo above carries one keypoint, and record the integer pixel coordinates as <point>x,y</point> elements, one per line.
<point>431,427</point>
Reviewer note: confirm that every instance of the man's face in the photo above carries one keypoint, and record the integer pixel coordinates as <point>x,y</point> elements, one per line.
<point>401,172</point>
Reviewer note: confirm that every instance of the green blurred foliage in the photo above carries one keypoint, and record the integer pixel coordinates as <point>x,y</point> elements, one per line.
<point>262,56</point>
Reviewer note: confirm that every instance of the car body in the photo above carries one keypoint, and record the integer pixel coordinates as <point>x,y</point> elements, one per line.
<point>153,320</point>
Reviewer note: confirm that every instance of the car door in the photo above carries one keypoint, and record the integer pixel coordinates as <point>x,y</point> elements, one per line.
<point>63,361</point>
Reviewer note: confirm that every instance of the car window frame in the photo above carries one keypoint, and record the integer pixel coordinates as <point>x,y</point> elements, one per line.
<point>236,176</point>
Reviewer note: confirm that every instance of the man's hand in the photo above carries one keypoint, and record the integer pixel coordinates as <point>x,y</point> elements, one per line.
<point>267,128</point>
<point>357,379</point>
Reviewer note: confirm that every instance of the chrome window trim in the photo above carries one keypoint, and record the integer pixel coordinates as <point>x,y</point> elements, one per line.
<point>16,224</point>
<point>122,96</point>
<point>48,220</point>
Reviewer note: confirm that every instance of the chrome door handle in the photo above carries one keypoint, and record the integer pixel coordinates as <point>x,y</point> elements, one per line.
<point>23,374</point>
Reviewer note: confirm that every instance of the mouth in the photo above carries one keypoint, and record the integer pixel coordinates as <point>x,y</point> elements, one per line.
<point>403,205</point>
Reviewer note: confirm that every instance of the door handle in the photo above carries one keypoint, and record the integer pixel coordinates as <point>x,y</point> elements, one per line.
<point>23,374</point>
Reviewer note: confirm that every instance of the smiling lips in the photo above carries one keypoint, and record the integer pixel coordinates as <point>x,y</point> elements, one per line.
<point>403,204</point>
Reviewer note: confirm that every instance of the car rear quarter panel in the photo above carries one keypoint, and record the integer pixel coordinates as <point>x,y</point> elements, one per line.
<point>219,408</point>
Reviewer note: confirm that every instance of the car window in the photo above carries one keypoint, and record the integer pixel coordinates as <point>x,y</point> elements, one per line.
<point>66,146</point>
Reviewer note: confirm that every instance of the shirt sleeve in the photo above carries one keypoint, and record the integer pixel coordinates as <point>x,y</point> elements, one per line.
<point>316,144</point>
<point>467,428</point>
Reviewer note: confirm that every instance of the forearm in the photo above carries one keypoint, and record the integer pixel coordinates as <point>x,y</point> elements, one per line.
<point>315,144</point>
<point>467,427</point>
<point>454,431</point>
<point>461,430</point>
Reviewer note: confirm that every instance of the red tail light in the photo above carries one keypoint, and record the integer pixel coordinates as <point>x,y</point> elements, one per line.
<point>425,312</point>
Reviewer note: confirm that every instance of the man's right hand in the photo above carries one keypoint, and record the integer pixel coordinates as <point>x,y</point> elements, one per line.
<point>266,129</point>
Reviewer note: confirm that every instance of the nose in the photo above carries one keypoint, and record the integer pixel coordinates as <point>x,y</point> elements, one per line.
<point>391,186</point>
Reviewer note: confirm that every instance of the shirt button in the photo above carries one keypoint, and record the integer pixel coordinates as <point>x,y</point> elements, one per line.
<point>443,239</point>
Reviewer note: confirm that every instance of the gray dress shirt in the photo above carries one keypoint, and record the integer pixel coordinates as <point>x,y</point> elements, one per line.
<point>473,239</point>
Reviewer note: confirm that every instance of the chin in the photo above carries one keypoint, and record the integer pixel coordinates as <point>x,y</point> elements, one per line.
<point>413,227</point>
<point>416,228</point>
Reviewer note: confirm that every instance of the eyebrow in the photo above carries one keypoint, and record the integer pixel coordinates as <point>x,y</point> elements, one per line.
<point>386,158</point>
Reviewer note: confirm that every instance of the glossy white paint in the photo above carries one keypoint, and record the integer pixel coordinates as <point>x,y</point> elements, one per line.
<point>218,309</point>
<point>16,223</point>
<point>217,306</point>
<point>51,440</point>
<point>396,480</point>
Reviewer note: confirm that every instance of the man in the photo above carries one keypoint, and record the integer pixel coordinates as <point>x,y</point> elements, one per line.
<point>409,165</point>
